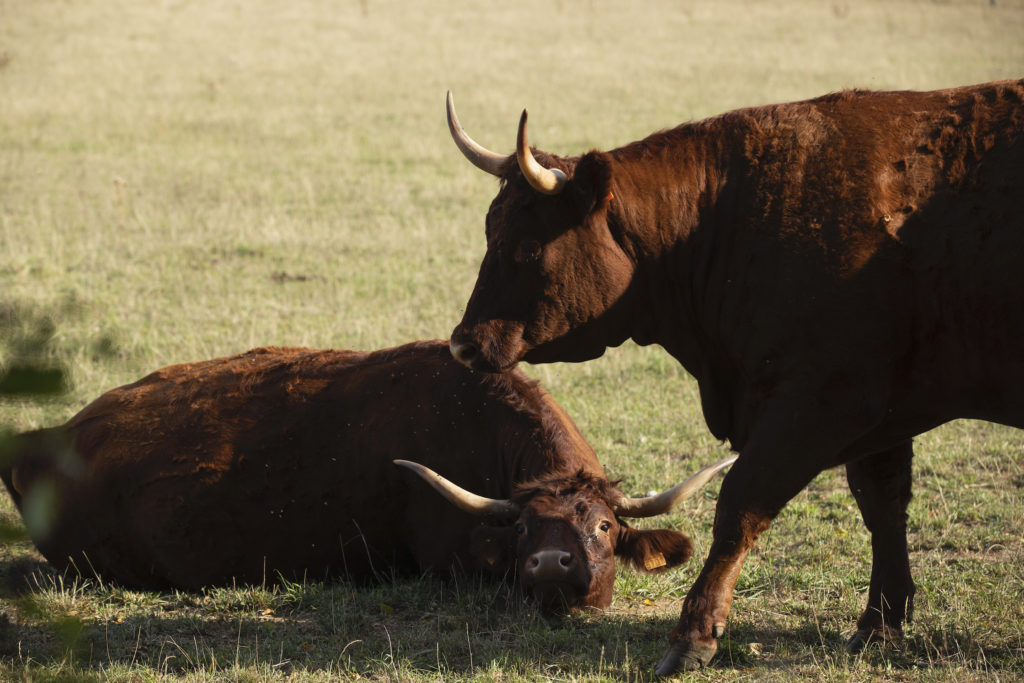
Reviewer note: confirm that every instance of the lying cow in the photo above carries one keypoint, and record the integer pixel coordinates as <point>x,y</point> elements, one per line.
<point>839,275</point>
<point>281,461</point>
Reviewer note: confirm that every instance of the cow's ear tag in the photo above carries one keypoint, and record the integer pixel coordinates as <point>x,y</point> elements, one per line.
<point>654,561</point>
<point>609,197</point>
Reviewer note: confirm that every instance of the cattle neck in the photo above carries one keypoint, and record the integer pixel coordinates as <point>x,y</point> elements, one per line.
<point>666,188</point>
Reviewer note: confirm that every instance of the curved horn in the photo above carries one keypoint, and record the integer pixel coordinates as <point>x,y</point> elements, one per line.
<point>666,500</point>
<point>460,497</point>
<point>478,155</point>
<point>544,180</point>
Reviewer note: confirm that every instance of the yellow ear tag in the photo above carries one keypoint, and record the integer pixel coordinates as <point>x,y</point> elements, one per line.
<point>654,561</point>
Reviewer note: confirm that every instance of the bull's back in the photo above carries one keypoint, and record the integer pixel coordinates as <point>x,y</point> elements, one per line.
<point>960,224</point>
<point>870,241</point>
<point>942,173</point>
<point>891,224</point>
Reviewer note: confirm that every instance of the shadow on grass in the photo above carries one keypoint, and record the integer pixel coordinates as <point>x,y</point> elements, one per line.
<point>413,627</point>
<point>765,648</point>
<point>398,629</point>
<point>416,627</point>
<point>16,575</point>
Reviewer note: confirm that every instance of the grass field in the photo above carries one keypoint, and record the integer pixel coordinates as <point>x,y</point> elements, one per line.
<point>181,180</point>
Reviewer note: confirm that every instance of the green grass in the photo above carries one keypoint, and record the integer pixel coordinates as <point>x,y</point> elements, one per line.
<point>185,180</point>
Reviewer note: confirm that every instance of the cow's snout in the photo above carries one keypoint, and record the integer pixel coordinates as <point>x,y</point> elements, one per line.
<point>550,577</point>
<point>549,565</point>
<point>466,352</point>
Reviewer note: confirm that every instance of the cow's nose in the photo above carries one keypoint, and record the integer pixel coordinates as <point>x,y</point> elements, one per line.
<point>549,564</point>
<point>464,352</point>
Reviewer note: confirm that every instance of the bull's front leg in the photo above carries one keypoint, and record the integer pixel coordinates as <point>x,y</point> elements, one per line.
<point>881,483</point>
<point>791,444</point>
<point>753,493</point>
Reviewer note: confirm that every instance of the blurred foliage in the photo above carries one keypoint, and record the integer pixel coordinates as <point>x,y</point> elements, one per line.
<point>27,367</point>
<point>26,373</point>
<point>30,371</point>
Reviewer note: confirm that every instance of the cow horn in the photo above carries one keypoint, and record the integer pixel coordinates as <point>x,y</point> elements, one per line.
<point>665,501</point>
<point>478,155</point>
<point>460,497</point>
<point>544,180</point>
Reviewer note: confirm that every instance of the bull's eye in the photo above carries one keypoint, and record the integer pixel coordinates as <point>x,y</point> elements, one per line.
<point>520,528</point>
<point>604,526</point>
<point>527,252</point>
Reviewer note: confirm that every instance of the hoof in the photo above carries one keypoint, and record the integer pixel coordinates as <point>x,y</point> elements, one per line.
<point>683,656</point>
<point>865,636</point>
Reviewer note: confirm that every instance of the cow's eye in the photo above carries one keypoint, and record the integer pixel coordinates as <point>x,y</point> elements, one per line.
<point>527,252</point>
<point>605,526</point>
<point>520,528</point>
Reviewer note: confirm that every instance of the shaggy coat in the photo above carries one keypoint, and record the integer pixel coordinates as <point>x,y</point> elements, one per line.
<point>279,462</point>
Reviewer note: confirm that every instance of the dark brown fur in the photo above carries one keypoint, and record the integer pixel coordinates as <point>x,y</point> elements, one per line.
<point>838,274</point>
<point>280,461</point>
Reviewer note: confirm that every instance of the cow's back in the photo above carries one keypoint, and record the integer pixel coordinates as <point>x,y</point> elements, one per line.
<point>281,460</point>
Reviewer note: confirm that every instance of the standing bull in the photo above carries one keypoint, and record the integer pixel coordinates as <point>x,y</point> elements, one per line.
<point>838,274</point>
<point>281,461</point>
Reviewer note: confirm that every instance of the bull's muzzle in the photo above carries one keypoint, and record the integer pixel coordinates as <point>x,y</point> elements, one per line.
<point>466,352</point>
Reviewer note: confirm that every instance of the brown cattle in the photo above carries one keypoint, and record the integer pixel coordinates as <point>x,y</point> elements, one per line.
<point>838,274</point>
<point>279,461</point>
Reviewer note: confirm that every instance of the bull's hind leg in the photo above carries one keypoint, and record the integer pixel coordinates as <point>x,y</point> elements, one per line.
<point>881,484</point>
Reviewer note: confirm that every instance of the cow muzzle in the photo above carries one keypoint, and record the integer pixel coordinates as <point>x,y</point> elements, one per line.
<point>550,578</point>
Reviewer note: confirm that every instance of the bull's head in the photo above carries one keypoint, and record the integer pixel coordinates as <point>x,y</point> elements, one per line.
<point>553,280</point>
<point>564,531</point>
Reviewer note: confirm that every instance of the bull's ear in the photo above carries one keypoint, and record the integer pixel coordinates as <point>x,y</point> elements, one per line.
<point>494,547</point>
<point>590,185</point>
<point>653,550</point>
